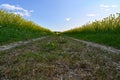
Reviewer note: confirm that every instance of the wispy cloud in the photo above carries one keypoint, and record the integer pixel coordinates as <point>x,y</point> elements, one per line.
<point>91,15</point>
<point>114,6</point>
<point>16,9</point>
<point>67,19</point>
<point>104,6</point>
<point>108,7</point>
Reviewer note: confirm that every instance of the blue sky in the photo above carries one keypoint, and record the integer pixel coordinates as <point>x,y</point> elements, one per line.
<point>60,15</point>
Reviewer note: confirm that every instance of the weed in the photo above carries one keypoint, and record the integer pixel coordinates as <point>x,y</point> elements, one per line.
<point>49,46</point>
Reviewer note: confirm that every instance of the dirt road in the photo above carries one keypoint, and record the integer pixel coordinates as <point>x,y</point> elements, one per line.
<point>58,58</point>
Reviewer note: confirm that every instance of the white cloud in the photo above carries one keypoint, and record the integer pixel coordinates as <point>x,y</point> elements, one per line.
<point>114,6</point>
<point>108,7</point>
<point>67,19</point>
<point>91,15</point>
<point>22,14</point>
<point>11,7</point>
<point>104,6</point>
<point>16,9</point>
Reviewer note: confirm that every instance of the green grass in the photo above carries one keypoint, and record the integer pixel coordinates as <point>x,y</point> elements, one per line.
<point>106,31</point>
<point>15,28</point>
<point>49,46</point>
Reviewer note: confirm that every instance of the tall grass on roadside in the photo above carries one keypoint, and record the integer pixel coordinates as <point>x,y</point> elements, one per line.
<point>106,31</point>
<point>14,28</point>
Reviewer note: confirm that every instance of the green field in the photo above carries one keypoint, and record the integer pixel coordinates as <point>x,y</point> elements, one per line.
<point>106,31</point>
<point>15,28</point>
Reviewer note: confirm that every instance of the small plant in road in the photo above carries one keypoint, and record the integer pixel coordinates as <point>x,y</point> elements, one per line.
<point>49,46</point>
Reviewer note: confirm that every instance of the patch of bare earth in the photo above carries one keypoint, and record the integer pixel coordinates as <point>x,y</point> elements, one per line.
<point>58,58</point>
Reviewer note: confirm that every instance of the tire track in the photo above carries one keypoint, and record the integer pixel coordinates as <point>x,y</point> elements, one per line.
<point>19,43</point>
<point>102,47</point>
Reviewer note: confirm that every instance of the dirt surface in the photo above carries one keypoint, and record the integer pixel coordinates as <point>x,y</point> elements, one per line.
<point>58,58</point>
<point>16,44</point>
<point>102,47</point>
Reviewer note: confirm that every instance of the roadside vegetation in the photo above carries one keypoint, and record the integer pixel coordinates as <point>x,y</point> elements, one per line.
<point>58,58</point>
<point>106,31</point>
<point>15,28</point>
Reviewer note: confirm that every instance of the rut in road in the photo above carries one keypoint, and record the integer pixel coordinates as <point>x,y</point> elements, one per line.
<point>58,58</point>
<point>19,43</point>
